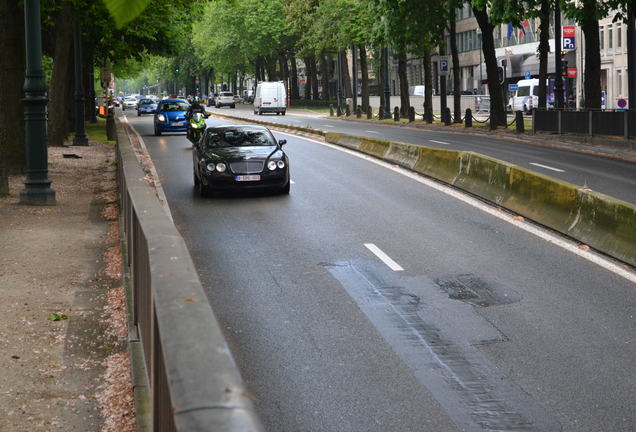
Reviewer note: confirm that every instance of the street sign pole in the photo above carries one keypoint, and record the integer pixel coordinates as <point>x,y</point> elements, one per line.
<point>558,82</point>
<point>37,185</point>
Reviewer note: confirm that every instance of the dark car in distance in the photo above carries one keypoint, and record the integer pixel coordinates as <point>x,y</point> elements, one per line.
<point>170,116</point>
<point>241,157</point>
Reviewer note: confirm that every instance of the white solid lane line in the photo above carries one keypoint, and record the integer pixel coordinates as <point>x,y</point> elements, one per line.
<point>328,126</point>
<point>384,257</point>
<point>439,142</point>
<point>546,167</point>
<point>373,132</point>
<point>563,243</point>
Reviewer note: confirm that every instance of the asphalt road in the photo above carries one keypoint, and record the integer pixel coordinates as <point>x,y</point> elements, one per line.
<point>609,176</point>
<point>487,327</point>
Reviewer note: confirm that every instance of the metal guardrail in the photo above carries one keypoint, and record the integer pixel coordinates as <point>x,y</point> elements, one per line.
<point>587,122</point>
<point>194,384</point>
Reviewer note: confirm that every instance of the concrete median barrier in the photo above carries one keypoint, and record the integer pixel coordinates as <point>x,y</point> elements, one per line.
<point>604,223</point>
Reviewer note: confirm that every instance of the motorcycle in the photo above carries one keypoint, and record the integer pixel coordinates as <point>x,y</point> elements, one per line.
<point>196,127</point>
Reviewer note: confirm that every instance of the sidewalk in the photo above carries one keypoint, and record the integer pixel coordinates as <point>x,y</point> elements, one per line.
<point>62,305</point>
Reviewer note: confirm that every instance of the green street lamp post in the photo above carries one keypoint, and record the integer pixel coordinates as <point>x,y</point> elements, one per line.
<point>80,132</point>
<point>37,189</point>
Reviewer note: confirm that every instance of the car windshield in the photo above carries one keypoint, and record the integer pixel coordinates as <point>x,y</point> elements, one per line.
<point>174,106</point>
<point>146,102</point>
<point>239,137</point>
<point>227,94</point>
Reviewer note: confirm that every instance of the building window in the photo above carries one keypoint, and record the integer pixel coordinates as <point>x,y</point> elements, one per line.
<point>610,33</point>
<point>601,39</point>
<point>619,37</point>
<point>619,83</point>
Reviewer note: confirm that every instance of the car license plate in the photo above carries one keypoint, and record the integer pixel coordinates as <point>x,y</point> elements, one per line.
<point>248,178</point>
<point>178,124</point>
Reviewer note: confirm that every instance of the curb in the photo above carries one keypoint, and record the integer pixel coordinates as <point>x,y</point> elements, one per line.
<point>600,221</point>
<point>139,380</point>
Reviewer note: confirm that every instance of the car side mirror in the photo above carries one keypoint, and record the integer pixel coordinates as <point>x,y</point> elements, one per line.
<point>281,142</point>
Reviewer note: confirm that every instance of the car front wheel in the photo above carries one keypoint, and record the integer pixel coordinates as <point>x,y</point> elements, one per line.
<point>157,131</point>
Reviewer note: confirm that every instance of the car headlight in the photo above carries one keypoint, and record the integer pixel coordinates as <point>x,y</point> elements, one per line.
<point>161,117</point>
<point>220,167</point>
<point>210,166</point>
<point>271,165</point>
<point>280,164</point>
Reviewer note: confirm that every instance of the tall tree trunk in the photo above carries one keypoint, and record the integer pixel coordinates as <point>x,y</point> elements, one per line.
<point>12,156</point>
<point>270,65</point>
<point>497,112</point>
<point>295,93</point>
<point>257,70</point>
<point>308,78</point>
<point>457,95</point>
<point>89,85</point>
<point>428,87</point>
<point>62,71</point>
<point>346,76</point>
<point>364,69</point>
<point>405,101</point>
<point>314,79</point>
<point>592,56</point>
<point>324,75</point>
<point>544,49</point>
<point>284,70</point>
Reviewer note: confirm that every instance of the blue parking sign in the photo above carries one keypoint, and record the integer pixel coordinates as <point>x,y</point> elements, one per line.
<point>528,75</point>
<point>569,44</point>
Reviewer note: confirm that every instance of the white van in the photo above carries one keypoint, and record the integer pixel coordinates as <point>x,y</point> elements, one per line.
<point>527,96</point>
<point>270,97</point>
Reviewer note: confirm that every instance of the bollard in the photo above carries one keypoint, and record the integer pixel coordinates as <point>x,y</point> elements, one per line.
<point>339,111</point>
<point>330,110</point>
<point>396,114</point>
<point>358,111</point>
<point>469,118</point>
<point>447,116</point>
<point>347,110</point>
<point>519,121</point>
<point>411,114</point>
<point>369,112</point>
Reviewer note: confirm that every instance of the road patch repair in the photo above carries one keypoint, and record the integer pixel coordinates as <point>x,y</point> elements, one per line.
<point>597,220</point>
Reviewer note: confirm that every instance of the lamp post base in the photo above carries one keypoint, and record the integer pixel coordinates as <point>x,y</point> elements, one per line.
<point>40,196</point>
<point>80,140</point>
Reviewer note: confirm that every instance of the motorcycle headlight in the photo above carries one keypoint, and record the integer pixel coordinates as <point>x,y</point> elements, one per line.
<point>161,117</point>
<point>210,167</point>
<point>271,165</point>
<point>220,167</point>
<point>280,164</point>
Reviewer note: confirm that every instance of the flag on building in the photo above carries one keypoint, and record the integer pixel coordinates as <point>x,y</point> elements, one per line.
<point>509,30</point>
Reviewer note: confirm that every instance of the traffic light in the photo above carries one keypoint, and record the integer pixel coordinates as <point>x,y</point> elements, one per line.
<point>564,68</point>
<point>500,74</point>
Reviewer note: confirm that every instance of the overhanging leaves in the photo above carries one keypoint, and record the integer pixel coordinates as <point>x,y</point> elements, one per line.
<point>124,11</point>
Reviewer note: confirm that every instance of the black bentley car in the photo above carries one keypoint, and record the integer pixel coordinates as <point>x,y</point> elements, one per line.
<point>240,157</point>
